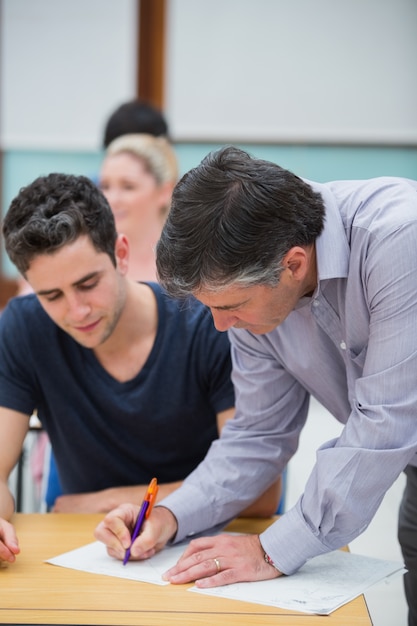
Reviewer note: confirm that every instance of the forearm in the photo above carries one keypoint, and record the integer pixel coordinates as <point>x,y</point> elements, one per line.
<point>267,504</point>
<point>116,496</point>
<point>108,499</point>
<point>335,510</point>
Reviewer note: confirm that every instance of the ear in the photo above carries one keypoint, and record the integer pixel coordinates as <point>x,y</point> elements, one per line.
<point>121,251</point>
<point>297,262</point>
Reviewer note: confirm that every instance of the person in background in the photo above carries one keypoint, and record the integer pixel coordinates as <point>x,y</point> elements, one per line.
<point>128,383</point>
<point>137,176</point>
<point>135,116</point>
<point>316,286</point>
<point>131,117</point>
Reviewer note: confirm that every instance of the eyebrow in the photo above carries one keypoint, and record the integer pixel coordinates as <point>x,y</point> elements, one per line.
<point>84,279</point>
<point>229,307</point>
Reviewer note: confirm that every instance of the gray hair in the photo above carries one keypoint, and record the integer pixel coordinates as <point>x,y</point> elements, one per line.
<point>232,220</point>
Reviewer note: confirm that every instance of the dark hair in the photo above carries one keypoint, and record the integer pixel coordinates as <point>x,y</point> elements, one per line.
<point>55,210</point>
<point>232,220</point>
<point>135,116</point>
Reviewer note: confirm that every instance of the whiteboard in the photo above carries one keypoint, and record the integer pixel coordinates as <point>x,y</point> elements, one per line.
<point>65,66</point>
<point>322,71</point>
<point>274,71</point>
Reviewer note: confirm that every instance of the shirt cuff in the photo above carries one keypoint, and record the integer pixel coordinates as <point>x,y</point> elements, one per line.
<point>289,542</point>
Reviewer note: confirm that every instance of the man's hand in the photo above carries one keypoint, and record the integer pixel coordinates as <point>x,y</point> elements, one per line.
<point>9,546</point>
<point>221,560</point>
<point>116,528</point>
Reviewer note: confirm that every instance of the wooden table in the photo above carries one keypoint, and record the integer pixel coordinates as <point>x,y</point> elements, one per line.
<point>34,592</point>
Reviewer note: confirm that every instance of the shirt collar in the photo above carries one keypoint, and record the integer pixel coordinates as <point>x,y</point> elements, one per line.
<point>332,248</point>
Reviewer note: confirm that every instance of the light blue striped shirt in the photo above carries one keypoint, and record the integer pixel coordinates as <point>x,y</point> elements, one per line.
<point>353,346</point>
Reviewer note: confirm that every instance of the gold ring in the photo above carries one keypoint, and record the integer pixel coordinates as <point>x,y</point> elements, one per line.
<point>217,562</point>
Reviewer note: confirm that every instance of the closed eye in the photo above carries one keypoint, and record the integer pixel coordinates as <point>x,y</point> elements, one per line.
<point>52,296</point>
<point>88,286</point>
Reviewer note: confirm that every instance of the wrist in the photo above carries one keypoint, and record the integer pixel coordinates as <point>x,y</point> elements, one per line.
<point>268,560</point>
<point>170,522</point>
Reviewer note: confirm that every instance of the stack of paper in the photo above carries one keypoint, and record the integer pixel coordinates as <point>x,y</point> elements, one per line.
<point>324,584</point>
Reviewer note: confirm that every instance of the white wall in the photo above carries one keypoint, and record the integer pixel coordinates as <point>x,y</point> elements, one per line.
<point>293,70</point>
<point>237,70</point>
<point>66,64</point>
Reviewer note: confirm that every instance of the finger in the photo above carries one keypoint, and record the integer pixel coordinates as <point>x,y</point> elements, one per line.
<point>112,543</point>
<point>202,550</point>
<point>143,555</point>
<point>221,577</point>
<point>148,542</point>
<point>7,555</point>
<point>195,567</point>
<point>157,530</point>
<point>218,580</point>
<point>9,545</point>
<point>189,571</point>
<point>197,547</point>
<point>114,532</point>
<point>116,535</point>
<point>116,553</point>
<point>244,573</point>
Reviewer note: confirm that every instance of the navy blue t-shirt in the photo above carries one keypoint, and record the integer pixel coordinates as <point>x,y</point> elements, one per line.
<point>105,433</point>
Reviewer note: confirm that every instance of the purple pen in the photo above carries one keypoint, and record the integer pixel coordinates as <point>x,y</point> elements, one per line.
<point>144,512</point>
<point>137,529</point>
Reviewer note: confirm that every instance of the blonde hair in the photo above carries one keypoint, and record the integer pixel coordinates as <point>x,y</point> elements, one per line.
<point>156,153</point>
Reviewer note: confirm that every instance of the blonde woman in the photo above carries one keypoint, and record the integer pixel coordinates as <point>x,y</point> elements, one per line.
<point>138,175</point>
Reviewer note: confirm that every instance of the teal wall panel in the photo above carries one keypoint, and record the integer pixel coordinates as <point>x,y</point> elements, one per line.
<point>21,167</point>
<point>320,163</point>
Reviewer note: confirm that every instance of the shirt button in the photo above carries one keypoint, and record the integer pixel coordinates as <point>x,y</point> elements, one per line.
<point>316,303</point>
<point>343,345</point>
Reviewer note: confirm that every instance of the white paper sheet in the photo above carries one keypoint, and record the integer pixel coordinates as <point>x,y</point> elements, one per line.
<point>321,586</point>
<point>93,558</point>
<point>324,583</point>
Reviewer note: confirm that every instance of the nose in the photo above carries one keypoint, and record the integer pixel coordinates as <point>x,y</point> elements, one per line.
<point>77,308</point>
<point>223,320</point>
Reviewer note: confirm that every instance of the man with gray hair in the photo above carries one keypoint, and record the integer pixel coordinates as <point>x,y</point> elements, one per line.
<point>316,285</point>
